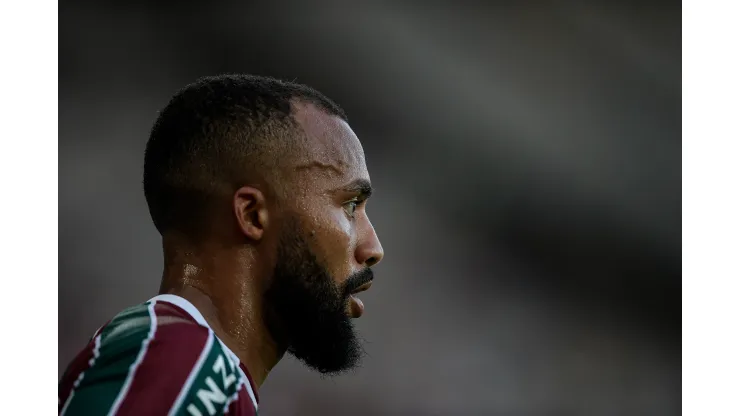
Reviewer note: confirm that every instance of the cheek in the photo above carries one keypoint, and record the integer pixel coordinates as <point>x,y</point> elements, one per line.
<point>334,239</point>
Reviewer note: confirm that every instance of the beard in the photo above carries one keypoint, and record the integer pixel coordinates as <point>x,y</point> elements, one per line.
<point>306,312</point>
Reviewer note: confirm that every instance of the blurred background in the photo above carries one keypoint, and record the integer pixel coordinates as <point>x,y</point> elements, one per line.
<point>527,161</point>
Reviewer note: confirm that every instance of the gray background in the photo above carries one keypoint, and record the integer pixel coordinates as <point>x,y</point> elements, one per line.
<point>527,161</point>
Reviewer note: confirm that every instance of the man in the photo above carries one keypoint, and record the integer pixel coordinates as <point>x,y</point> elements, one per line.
<point>258,188</point>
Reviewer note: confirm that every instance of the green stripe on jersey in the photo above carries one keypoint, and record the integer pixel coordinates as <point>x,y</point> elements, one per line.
<point>121,342</point>
<point>215,379</point>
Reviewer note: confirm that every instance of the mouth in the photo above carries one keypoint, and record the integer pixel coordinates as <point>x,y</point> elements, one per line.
<point>362,288</point>
<point>356,307</point>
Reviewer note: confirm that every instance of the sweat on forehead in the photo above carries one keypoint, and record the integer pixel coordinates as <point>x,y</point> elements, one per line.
<point>329,144</point>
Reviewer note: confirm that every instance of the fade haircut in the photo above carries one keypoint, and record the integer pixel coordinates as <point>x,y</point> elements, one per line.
<point>217,135</point>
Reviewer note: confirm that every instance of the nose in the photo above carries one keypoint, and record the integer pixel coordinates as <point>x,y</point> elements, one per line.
<point>369,250</point>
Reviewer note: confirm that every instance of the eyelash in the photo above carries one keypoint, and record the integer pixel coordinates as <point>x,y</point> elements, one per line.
<point>356,203</point>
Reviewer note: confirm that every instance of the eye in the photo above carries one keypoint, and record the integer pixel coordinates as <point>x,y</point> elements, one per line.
<point>351,206</point>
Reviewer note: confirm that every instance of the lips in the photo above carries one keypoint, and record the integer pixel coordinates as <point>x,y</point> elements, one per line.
<point>356,307</point>
<point>362,288</point>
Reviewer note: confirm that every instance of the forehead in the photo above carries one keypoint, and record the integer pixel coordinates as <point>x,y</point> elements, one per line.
<point>330,149</point>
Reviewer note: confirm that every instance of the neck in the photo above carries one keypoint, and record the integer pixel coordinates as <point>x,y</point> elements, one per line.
<point>231,303</point>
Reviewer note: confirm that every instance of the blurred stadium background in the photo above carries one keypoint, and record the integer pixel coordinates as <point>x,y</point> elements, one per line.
<point>528,166</point>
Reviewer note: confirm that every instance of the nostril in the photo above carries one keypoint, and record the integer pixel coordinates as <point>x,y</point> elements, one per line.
<point>371,261</point>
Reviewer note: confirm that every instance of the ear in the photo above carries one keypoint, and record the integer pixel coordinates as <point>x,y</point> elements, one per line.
<point>251,213</point>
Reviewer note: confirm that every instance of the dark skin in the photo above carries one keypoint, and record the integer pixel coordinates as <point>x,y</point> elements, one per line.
<point>225,275</point>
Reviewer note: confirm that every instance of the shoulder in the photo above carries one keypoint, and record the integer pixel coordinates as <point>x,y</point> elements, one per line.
<point>152,353</point>
<point>144,327</point>
<point>153,335</point>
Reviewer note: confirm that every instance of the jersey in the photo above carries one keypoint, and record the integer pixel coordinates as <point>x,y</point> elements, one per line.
<point>157,358</point>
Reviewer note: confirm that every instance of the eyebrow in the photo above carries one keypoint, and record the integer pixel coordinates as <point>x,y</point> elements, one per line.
<point>360,186</point>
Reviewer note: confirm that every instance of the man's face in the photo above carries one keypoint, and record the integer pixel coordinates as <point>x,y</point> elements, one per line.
<point>326,248</point>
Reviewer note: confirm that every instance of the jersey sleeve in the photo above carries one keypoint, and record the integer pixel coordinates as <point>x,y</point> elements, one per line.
<point>142,366</point>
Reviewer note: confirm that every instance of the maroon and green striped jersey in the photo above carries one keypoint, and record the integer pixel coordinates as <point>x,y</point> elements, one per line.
<point>157,358</point>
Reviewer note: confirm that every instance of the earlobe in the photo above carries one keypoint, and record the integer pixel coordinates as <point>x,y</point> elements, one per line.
<point>251,213</point>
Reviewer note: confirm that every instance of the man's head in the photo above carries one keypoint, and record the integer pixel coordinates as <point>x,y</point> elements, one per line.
<point>271,173</point>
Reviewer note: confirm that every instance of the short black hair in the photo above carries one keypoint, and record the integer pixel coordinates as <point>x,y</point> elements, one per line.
<point>209,137</point>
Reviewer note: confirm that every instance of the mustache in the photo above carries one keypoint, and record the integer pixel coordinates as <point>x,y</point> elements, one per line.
<point>358,279</point>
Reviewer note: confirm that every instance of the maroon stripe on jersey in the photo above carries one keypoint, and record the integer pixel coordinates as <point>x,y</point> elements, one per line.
<point>242,406</point>
<point>170,357</point>
<point>246,402</point>
<point>162,308</point>
<point>251,382</point>
<point>233,408</point>
<point>80,364</point>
